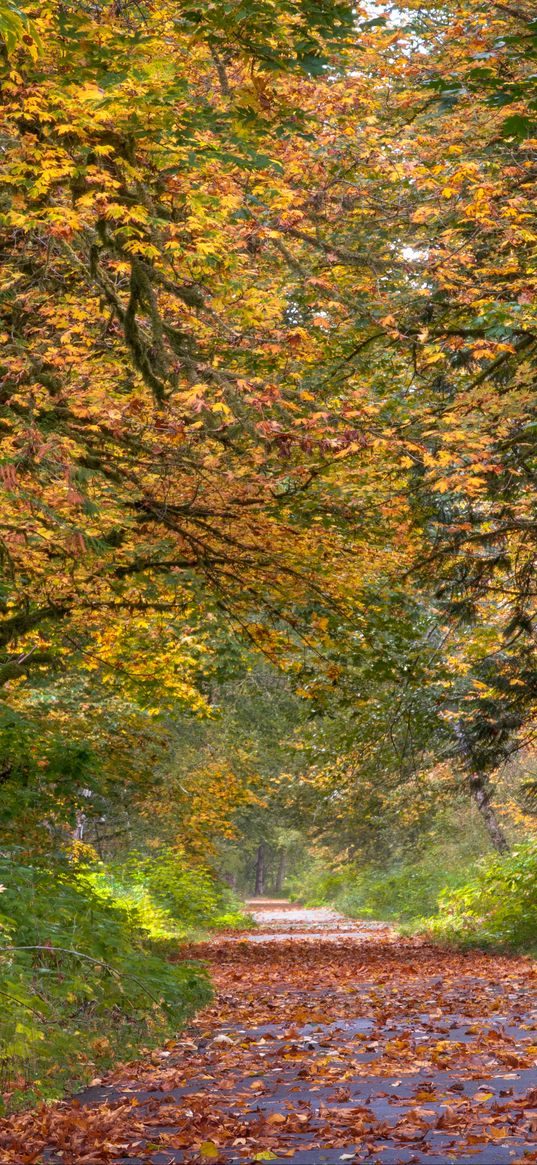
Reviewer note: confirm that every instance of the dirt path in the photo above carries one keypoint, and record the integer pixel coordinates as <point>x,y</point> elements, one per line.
<point>329,1041</point>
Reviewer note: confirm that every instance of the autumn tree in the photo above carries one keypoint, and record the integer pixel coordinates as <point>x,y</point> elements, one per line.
<point>414,220</point>
<point>269,347</point>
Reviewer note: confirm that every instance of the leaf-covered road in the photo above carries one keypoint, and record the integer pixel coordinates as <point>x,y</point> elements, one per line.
<point>329,1041</point>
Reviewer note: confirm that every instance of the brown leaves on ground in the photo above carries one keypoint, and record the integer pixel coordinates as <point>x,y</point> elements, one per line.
<point>330,1041</point>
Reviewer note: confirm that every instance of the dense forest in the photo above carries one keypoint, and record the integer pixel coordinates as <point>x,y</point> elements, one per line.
<point>268,484</point>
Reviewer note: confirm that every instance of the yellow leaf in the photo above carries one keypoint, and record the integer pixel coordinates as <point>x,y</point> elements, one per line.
<point>209,1151</point>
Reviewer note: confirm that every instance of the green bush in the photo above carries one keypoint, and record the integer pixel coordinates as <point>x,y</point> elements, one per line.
<point>497,907</point>
<point>186,898</point>
<point>489,903</point>
<point>402,893</point>
<point>83,977</point>
<point>316,886</point>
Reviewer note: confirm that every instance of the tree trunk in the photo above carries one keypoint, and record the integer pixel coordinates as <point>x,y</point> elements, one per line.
<point>480,791</point>
<point>260,871</point>
<point>280,874</point>
<point>78,831</point>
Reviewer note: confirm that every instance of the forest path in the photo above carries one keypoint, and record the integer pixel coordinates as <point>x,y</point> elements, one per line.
<point>328,1041</point>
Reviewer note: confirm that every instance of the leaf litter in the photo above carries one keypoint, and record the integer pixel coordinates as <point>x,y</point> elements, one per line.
<point>328,1041</point>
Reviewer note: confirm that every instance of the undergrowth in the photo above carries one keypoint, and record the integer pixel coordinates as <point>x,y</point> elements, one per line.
<point>489,903</point>
<point>85,978</point>
<point>400,892</point>
<point>496,907</point>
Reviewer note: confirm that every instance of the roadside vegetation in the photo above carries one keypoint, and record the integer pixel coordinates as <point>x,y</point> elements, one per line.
<point>490,903</point>
<point>85,971</point>
<point>455,890</point>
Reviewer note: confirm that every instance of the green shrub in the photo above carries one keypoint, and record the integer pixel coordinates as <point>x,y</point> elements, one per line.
<point>187,898</point>
<point>316,886</point>
<point>82,981</point>
<point>402,893</point>
<point>489,903</point>
<point>496,907</point>
<point>135,901</point>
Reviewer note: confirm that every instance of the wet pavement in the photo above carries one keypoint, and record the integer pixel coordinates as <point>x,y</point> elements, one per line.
<point>329,1041</point>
